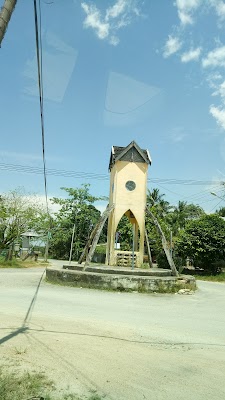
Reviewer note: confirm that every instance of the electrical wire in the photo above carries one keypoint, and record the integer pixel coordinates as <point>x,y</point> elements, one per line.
<point>40,86</point>
<point>97,176</point>
<point>216,205</point>
<point>54,172</point>
<point>39,53</point>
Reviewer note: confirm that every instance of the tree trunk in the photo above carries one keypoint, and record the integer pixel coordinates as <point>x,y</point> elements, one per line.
<point>148,250</point>
<point>9,254</point>
<point>5,15</point>
<point>46,249</point>
<point>98,233</point>
<point>164,243</point>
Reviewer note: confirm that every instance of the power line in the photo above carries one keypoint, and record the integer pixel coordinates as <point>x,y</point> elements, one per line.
<point>216,205</point>
<point>41,100</point>
<point>55,172</point>
<point>40,86</point>
<point>91,175</point>
<point>203,194</point>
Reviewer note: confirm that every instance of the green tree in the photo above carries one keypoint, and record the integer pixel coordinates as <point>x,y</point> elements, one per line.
<point>125,233</point>
<point>161,209</point>
<point>203,241</point>
<point>221,212</point>
<point>19,212</point>
<point>159,206</point>
<point>183,213</point>
<point>77,210</point>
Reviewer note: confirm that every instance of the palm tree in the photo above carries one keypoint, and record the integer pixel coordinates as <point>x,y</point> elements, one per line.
<point>157,203</point>
<point>184,212</point>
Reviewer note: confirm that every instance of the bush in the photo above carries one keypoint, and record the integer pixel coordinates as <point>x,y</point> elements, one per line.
<point>214,268</point>
<point>203,241</point>
<point>163,262</point>
<point>100,249</point>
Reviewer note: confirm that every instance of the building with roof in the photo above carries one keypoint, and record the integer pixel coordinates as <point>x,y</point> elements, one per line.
<point>128,168</point>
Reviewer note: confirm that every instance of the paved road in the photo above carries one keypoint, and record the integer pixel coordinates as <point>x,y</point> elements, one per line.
<point>125,345</point>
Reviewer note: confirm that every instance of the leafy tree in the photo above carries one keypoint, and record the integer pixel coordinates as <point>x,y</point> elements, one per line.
<point>221,212</point>
<point>203,241</point>
<point>78,211</point>
<point>159,206</point>
<point>161,209</point>
<point>19,212</point>
<point>125,233</point>
<point>183,213</point>
<point>171,219</point>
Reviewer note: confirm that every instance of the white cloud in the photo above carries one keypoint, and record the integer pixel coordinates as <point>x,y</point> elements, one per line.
<point>219,6</point>
<point>105,25</point>
<point>215,58</point>
<point>191,55</point>
<point>172,45</point>
<point>215,76</point>
<point>213,81</point>
<point>212,61</point>
<point>185,18</point>
<point>94,20</point>
<point>220,90</point>
<point>219,114</point>
<point>185,10</point>
<point>114,40</point>
<point>116,10</point>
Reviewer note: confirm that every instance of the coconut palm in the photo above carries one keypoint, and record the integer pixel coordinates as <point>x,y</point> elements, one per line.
<point>157,203</point>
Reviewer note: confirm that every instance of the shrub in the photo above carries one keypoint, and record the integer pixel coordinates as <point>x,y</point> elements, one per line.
<point>203,241</point>
<point>163,262</point>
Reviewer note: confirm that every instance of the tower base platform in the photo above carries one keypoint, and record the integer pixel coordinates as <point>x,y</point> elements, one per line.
<point>152,280</point>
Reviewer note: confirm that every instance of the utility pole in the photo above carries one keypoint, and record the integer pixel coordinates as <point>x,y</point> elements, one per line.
<point>133,245</point>
<point>171,243</point>
<point>71,246</point>
<point>5,15</point>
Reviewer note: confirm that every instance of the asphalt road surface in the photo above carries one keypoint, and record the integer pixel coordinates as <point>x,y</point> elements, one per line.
<point>124,345</point>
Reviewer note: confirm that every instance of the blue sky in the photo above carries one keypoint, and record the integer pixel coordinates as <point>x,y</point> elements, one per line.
<point>116,71</point>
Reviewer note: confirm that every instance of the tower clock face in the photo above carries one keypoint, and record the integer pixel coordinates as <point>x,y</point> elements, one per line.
<point>130,185</point>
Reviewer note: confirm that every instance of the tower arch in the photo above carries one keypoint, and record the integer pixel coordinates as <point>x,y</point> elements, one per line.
<point>128,184</point>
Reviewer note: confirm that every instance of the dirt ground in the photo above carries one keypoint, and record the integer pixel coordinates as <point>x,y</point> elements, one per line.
<point>123,345</point>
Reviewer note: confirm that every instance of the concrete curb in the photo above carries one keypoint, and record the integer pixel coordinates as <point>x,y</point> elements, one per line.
<point>120,282</point>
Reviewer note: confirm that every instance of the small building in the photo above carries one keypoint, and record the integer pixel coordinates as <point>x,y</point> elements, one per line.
<point>27,241</point>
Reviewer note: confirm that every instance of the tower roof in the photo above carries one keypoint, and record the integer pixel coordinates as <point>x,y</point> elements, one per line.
<point>132,153</point>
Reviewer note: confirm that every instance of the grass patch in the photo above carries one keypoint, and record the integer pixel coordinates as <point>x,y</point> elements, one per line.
<point>34,385</point>
<point>25,386</point>
<point>145,266</point>
<point>14,263</point>
<point>17,263</point>
<point>20,351</point>
<point>212,278</point>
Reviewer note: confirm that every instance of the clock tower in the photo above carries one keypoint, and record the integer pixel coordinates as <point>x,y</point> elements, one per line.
<point>128,168</point>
